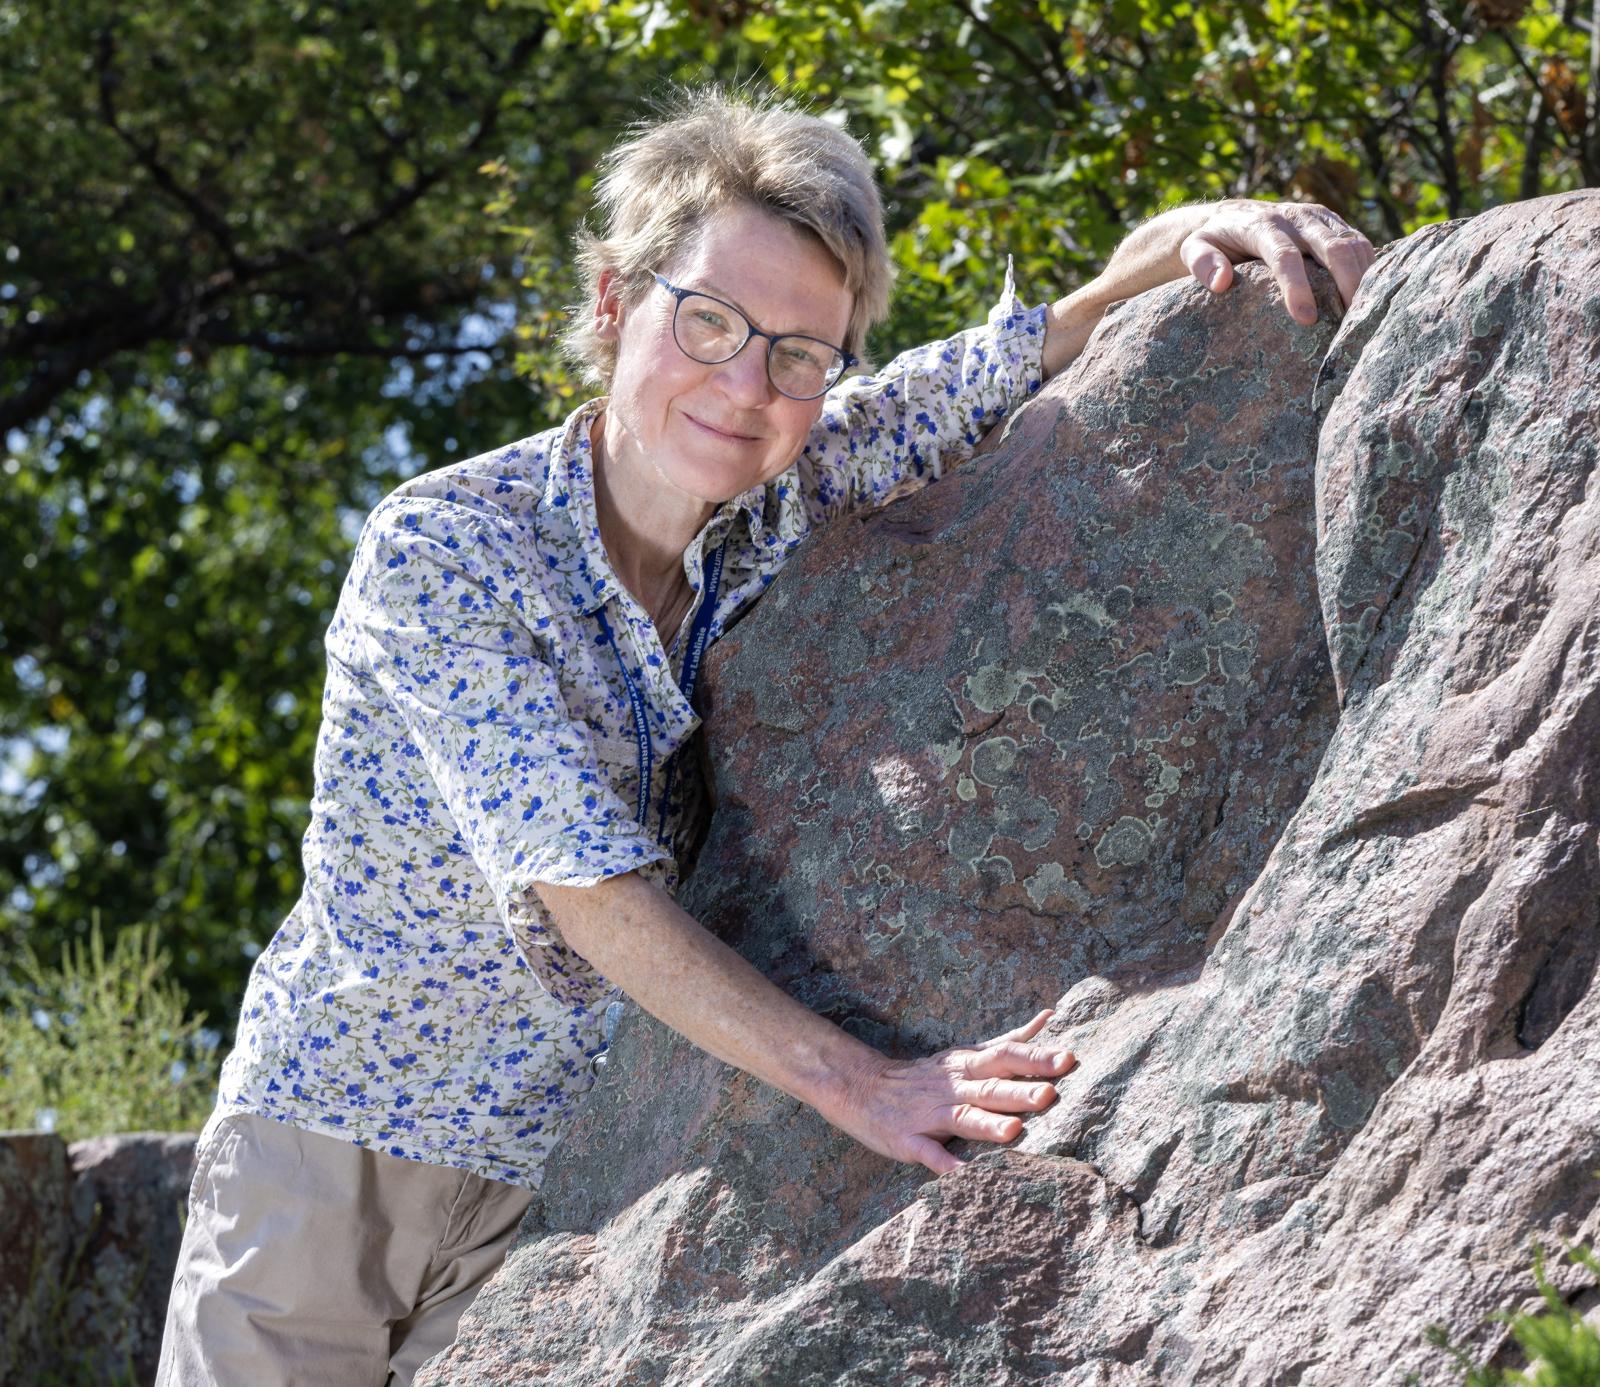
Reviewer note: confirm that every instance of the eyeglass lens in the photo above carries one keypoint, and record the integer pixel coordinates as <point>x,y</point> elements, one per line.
<point>711,332</point>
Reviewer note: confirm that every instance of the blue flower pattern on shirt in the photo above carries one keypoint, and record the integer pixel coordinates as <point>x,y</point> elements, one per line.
<point>477,738</point>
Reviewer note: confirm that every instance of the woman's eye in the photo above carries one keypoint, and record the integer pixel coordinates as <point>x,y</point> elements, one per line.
<point>710,317</point>
<point>800,356</point>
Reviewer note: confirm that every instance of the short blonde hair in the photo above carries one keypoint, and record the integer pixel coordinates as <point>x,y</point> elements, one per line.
<point>708,148</point>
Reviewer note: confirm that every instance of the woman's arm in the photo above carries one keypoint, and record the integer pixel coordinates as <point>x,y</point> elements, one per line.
<point>1206,242</point>
<point>642,941</point>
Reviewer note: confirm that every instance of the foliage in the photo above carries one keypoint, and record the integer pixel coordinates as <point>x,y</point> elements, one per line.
<point>102,1043</point>
<point>1048,128</point>
<point>1562,1348</point>
<point>261,261</point>
<point>245,293</point>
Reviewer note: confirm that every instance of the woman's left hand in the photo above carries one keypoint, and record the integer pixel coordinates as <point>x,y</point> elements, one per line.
<point>1281,235</point>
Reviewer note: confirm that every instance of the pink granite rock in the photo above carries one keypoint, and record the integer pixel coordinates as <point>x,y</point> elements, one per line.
<point>1061,727</point>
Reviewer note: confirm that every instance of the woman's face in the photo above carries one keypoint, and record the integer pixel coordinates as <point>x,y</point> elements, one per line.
<point>712,432</point>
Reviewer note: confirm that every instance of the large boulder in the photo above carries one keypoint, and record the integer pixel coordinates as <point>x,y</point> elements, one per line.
<point>1062,726</point>
<point>89,1236</point>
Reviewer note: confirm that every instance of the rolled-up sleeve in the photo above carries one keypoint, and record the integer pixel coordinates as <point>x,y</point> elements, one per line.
<point>922,413</point>
<point>443,615</point>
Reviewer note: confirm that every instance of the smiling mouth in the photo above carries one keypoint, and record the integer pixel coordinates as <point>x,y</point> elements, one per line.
<point>720,433</point>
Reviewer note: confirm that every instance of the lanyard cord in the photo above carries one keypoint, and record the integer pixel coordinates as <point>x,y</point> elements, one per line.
<point>699,633</point>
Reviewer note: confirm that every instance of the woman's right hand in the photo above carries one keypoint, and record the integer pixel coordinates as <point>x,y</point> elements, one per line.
<point>907,1111</point>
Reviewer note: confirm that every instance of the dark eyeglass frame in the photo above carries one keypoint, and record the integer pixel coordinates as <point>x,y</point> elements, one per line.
<point>846,361</point>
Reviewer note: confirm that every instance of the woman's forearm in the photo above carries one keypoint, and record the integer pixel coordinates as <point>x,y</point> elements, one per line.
<point>1146,259</point>
<point>638,938</point>
<point>643,942</point>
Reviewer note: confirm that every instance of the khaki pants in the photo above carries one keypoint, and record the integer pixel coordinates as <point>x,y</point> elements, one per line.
<point>308,1261</point>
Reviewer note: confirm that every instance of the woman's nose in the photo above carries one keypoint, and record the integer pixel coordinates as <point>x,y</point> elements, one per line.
<point>743,376</point>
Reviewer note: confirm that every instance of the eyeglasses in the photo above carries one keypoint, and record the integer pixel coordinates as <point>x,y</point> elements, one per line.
<point>710,331</point>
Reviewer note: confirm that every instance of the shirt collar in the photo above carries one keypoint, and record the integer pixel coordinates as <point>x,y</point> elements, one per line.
<point>569,492</point>
<point>752,505</point>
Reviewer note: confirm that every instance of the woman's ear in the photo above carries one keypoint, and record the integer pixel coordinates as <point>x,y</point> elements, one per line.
<point>607,306</point>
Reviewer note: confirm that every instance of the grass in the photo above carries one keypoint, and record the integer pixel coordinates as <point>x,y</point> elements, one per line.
<point>1563,1349</point>
<point>101,1043</point>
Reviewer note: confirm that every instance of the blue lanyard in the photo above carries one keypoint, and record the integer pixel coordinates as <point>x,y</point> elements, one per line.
<point>699,633</point>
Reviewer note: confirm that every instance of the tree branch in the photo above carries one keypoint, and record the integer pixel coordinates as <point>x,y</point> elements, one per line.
<point>85,353</point>
<point>1535,139</point>
<point>413,192</point>
<point>1449,170</point>
<point>82,340</point>
<point>330,346</point>
<point>1004,40</point>
<point>1536,128</point>
<point>148,157</point>
<point>1378,163</point>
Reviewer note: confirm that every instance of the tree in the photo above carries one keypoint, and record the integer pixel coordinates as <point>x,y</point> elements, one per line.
<point>1049,128</point>
<point>263,260</point>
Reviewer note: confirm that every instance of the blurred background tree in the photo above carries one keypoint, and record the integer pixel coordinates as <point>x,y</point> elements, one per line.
<point>260,261</point>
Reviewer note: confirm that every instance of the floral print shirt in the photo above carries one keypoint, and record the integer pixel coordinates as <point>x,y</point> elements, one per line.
<point>477,737</point>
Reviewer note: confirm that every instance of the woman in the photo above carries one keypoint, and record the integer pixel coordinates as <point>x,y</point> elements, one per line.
<point>500,807</point>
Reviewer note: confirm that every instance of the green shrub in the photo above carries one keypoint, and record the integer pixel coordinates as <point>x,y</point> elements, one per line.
<point>1563,1349</point>
<point>101,1044</point>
